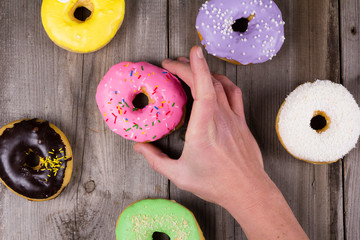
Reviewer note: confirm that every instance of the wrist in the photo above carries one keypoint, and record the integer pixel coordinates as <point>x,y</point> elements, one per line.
<point>247,193</point>
<point>264,213</point>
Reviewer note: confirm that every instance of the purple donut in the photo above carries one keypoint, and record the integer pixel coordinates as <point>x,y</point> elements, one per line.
<point>241,31</point>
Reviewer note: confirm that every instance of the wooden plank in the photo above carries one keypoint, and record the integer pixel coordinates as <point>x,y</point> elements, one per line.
<point>350,51</point>
<point>37,79</point>
<point>113,175</point>
<point>215,222</point>
<point>310,51</point>
<point>42,80</point>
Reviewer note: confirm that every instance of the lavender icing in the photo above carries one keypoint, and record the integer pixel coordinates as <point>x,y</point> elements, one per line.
<point>259,43</point>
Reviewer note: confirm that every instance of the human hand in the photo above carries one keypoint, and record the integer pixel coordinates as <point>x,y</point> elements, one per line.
<point>221,161</point>
<point>220,154</point>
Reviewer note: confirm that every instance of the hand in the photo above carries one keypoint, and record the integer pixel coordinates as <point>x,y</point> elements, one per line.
<point>221,161</point>
<point>220,151</point>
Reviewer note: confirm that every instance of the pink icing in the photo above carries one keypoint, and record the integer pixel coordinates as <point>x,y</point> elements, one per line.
<point>119,87</point>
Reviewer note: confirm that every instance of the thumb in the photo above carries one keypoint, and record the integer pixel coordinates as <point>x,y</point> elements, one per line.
<point>158,160</point>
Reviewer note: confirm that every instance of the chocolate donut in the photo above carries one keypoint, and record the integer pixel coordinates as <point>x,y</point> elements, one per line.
<point>35,159</point>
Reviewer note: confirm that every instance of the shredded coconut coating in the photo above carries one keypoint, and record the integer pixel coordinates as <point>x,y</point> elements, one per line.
<point>294,118</point>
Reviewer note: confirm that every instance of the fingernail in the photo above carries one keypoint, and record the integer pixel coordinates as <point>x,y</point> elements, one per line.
<point>137,149</point>
<point>183,59</point>
<point>199,53</point>
<point>167,60</point>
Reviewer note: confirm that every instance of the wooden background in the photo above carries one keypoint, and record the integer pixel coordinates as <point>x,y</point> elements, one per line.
<point>39,79</point>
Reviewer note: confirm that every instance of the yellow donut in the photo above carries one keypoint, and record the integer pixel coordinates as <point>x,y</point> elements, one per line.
<point>91,34</point>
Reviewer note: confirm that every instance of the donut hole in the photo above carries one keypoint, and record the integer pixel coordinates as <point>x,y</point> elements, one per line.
<point>240,25</point>
<point>32,160</point>
<point>160,236</point>
<point>319,123</point>
<point>140,101</point>
<point>82,13</point>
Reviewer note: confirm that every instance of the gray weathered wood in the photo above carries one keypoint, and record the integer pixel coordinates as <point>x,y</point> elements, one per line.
<point>121,176</point>
<point>215,222</point>
<point>350,52</point>
<point>40,80</point>
<point>310,51</point>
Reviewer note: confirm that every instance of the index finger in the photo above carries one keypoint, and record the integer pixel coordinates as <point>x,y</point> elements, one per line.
<point>203,84</point>
<point>181,69</point>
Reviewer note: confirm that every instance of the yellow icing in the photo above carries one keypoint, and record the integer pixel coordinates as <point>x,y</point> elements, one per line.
<point>82,36</point>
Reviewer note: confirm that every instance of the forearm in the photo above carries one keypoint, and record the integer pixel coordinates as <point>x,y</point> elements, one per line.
<point>266,214</point>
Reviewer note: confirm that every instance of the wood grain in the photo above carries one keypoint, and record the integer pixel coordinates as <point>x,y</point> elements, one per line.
<point>215,222</point>
<point>310,51</point>
<point>350,52</point>
<point>113,175</point>
<point>39,79</point>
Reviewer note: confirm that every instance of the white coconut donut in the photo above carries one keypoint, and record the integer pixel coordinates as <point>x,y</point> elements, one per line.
<point>319,122</point>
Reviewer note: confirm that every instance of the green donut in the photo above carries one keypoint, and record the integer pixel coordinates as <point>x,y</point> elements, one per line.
<point>142,219</point>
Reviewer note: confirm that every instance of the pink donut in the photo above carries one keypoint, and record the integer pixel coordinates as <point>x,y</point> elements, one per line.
<point>166,101</point>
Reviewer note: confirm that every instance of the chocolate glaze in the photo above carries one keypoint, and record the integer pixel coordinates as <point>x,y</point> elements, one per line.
<point>31,139</point>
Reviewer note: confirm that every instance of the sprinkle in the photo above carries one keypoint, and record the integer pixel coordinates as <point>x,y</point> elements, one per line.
<point>131,73</point>
<point>142,68</point>
<point>115,117</point>
<point>139,77</point>
<point>156,107</point>
<point>127,129</point>
<point>154,137</point>
<point>173,104</point>
<point>134,109</point>
<point>167,113</point>
<point>143,132</point>
<point>153,123</point>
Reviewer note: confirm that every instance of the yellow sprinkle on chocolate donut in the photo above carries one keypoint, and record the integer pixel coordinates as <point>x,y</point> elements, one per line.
<point>82,25</point>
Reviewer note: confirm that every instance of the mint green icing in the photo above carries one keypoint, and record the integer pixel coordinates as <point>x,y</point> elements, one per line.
<point>141,219</point>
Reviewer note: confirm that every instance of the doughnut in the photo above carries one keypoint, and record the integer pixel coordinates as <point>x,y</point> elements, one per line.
<point>123,84</point>
<point>319,122</point>
<point>241,31</point>
<point>82,26</point>
<point>35,159</point>
<point>142,219</point>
